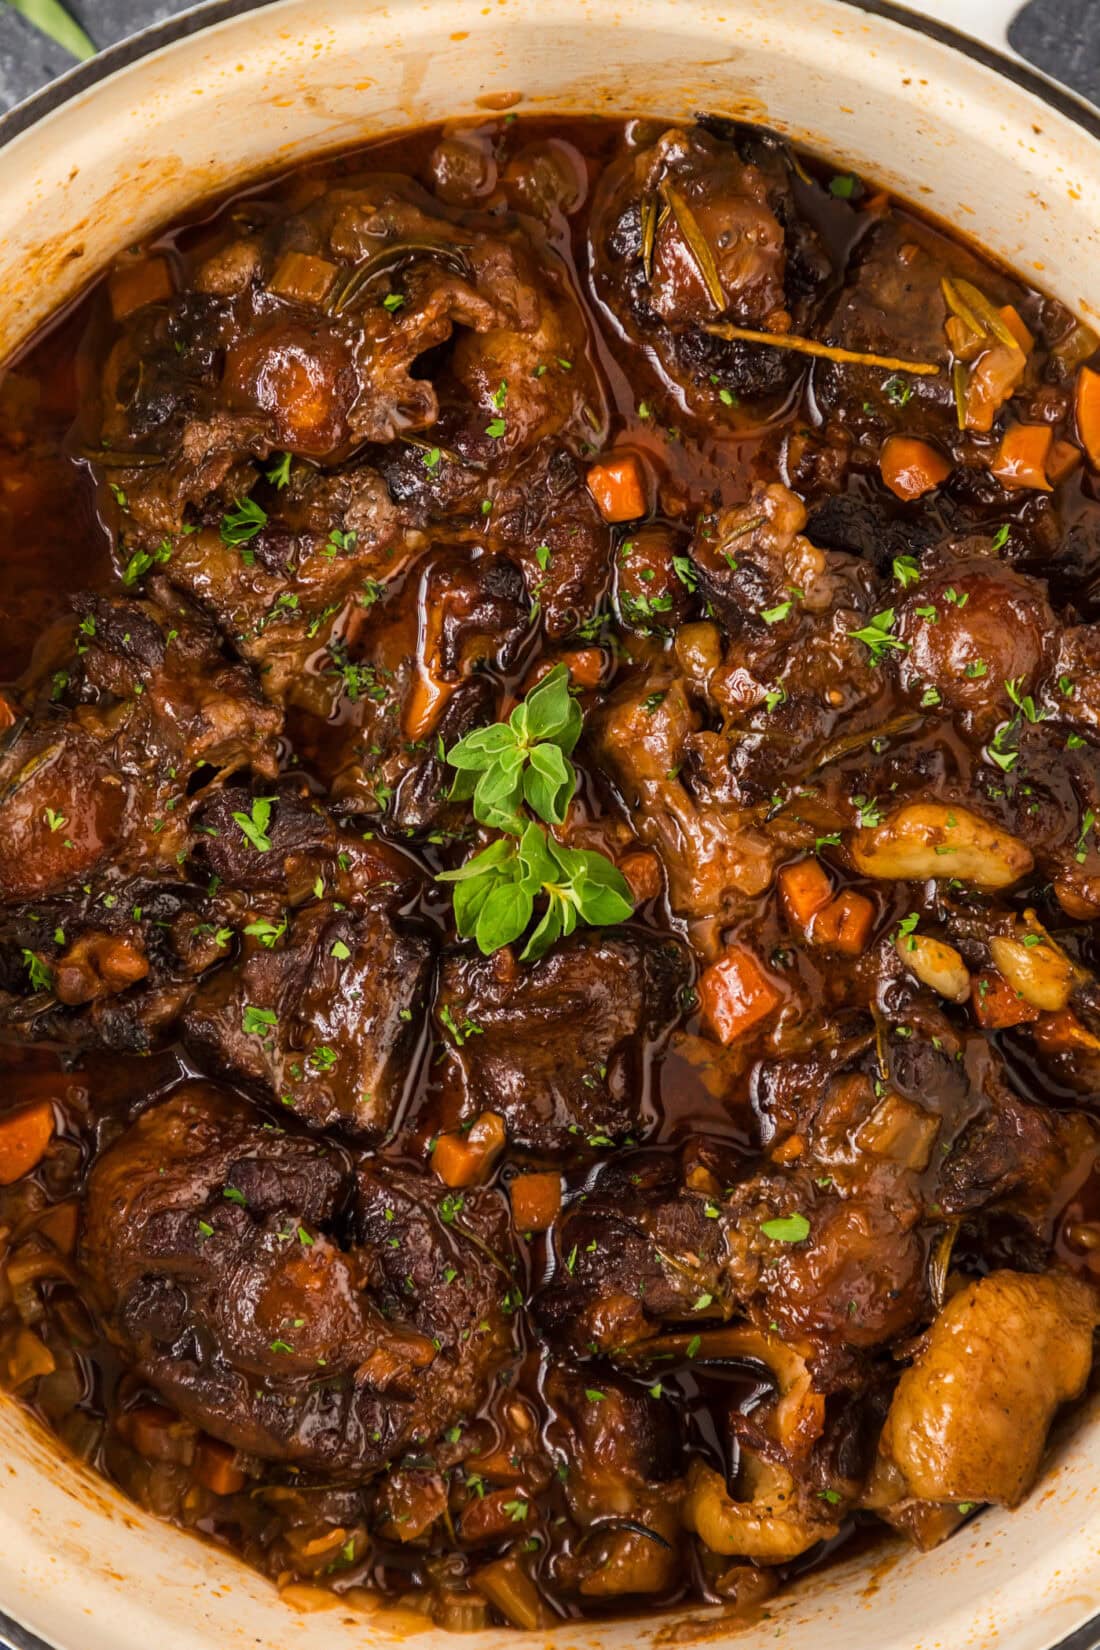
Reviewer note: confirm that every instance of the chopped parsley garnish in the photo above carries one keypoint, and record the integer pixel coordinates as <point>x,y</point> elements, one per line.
<point>1023,701</point>
<point>140,563</point>
<point>868,812</point>
<point>254,825</point>
<point>685,572</point>
<point>279,473</point>
<point>240,525</point>
<point>339,543</point>
<point>786,1229</point>
<point>257,1022</point>
<point>40,975</point>
<point>877,635</point>
<point>268,933</point>
<point>461,1033</point>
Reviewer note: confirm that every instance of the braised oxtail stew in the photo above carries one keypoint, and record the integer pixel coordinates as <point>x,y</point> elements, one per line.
<point>549,872</point>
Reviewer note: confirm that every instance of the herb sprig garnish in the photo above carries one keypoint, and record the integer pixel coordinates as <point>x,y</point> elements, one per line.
<point>523,760</point>
<point>503,770</point>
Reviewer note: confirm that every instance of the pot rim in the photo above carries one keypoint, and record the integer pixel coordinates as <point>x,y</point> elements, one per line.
<point>208,13</point>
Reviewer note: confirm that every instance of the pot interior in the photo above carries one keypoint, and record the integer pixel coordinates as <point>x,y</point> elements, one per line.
<point>256,93</point>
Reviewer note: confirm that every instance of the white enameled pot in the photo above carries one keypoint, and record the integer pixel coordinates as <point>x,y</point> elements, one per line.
<point>234,90</point>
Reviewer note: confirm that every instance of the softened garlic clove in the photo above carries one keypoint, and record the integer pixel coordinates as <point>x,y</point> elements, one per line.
<point>931,839</point>
<point>1040,972</point>
<point>936,965</point>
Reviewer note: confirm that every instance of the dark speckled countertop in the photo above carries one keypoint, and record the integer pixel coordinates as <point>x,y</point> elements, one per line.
<point>1062,37</point>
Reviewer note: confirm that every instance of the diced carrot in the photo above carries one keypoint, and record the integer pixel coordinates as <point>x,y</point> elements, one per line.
<point>911,468</point>
<point>996,1004</point>
<point>585,666</point>
<point>8,714</point>
<point>320,1546</point>
<point>303,278</point>
<point>427,700</point>
<point>1063,1033</point>
<point>1021,458</point>
<point>24,1137</point>
<point>845,924</point>
<point>536,1201</point>
<point>158,1433</point>
<point>735,994</point>
<point>1015,323</point>
<point>993,380</point>
<point>215,1467</point>
<point>805,890</point>
<point>498,1465</point>
<point>789,1150</point>
<point>1062,460</point>
<point>508,1587</point>
<point>965,342</point>
<point>138,282</point>
<point>1087,404</point>
<point>463,1159</point>
<point>430,688</point>
<point>488,1516</point>
<point>618,486</point>
<point>643,872</point>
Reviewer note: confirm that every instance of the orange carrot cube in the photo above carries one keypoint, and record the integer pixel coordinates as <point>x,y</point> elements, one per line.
<point>735,994</point>
<point>1021,458</point>
<point>618,486</point>
<point>805,890</point>
<point>996,1004</point>
<point>911,468</point>
<point>845,924</point>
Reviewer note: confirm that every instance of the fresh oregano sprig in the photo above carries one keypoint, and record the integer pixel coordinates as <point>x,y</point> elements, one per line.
<point>496,890</point>
<point>503,769</point>
<point>523,760</point>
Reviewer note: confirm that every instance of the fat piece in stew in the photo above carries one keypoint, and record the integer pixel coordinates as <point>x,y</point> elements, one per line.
<point>549,872</point>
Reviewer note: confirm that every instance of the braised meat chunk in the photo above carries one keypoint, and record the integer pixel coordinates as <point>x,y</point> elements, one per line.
<point>550,883</point>
<point>214,1243</point>
<point>111,964</point>
<point>146,711</point>
<point>320,1014</point>
<point>700,228</point>
<point>562,1051</point>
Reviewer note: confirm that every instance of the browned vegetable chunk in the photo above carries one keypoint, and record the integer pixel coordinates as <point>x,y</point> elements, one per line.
<point>969,1420</point>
